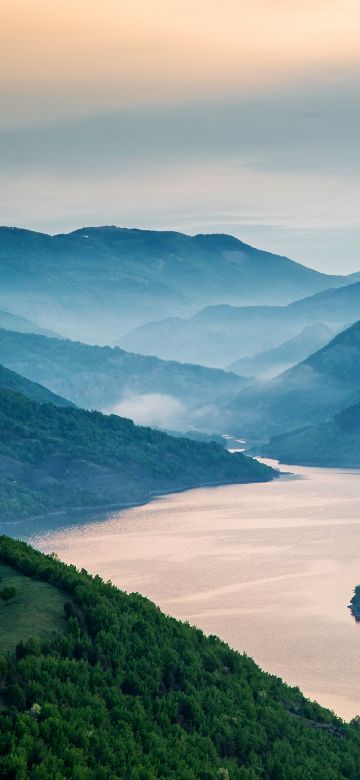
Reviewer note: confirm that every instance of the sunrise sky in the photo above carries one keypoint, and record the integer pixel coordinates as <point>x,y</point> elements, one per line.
<point>240,116</point>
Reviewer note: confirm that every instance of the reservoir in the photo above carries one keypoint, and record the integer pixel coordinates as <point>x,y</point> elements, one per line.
<point>270,568</point>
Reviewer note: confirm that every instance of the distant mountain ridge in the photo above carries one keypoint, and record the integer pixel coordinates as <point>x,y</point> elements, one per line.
<point>14,322</point>
<point>274,361</point>
<point>96,283</point>
<point>309,393</point>
<point>105,378</point>
<point>218,335</point>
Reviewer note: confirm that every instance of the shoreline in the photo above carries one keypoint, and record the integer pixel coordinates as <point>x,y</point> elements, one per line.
<point>100,509</point>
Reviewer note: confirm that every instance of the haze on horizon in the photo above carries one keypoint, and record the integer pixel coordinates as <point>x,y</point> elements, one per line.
<point>240,118</point>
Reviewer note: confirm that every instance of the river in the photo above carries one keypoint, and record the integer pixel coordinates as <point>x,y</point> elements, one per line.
<point>270,568</point>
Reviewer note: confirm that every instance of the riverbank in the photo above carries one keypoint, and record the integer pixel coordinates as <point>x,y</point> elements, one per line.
<point>71,515</point>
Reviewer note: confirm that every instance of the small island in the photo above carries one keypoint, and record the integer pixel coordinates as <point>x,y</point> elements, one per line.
<point>354,605</point>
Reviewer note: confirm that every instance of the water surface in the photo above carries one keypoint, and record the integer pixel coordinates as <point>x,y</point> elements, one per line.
<point>270,568</point>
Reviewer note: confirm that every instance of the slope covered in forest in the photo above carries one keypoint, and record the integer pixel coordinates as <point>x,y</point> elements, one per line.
<point>122,691</point>
<point>335,442</point>
<point>56,458</point>
<point>307,394</point>
<point>10,380</point>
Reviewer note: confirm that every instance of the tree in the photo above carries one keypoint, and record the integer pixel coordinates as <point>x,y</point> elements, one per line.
<point>7,593</point>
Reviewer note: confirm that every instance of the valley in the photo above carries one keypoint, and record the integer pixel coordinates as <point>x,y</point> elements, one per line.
<point>149,472</point>
<point>179,390</point>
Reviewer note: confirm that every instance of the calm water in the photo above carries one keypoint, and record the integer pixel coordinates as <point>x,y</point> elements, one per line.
<point>269,568</point>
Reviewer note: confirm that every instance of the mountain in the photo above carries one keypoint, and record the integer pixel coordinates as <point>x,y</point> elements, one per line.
<point>58,458</point>
<point>153,391</point>
<point>9,380</point>
<point>274,361</point>
<point>98,282</point>
<point>309,393</point>
<point>332,443</point>
<point>355,277</point>
<point>98,683</point>
<point>13,322</point>
<point>219,335</point>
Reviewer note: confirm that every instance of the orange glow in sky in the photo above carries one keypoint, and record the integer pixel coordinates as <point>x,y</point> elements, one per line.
<point>106,54</point>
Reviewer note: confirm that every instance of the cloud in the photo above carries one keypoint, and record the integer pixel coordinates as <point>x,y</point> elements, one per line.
<point>154,409</point>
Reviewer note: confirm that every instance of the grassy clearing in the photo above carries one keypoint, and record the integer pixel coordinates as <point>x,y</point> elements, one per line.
<point>35,611</point>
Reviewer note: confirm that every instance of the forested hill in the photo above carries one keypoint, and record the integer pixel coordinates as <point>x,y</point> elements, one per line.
<point>10,380</point>
<point>101,377</point>
<point>53,458</point>
<point>307,394</point>
<point>335,442</point>
<point>121,691</point>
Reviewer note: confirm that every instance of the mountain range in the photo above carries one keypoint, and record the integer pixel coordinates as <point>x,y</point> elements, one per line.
<point>97,283</point>
<point>220,335</point>
<point>148,389</point>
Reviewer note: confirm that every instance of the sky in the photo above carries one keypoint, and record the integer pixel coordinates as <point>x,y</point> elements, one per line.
<point>240,116</point>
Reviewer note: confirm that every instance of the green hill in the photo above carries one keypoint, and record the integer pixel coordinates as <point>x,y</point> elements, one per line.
<point>56,458</point>
<point>332,443</point>
<point>122,691</point>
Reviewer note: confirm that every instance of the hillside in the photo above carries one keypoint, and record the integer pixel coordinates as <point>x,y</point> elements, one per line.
<point>110,379</point>
<point>98,282</point>
<point>310,392</point>
<point>122,691</point>
<point>219,335</point>
<point>9,380</point>
<point>274,361</point>
<point>56,458</point>
<point>332,443</point>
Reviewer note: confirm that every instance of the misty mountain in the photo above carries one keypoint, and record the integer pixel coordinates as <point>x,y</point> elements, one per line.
<point>14,322</point>
<point>309,393</point>
<point>149,390</point>
<point>9,380</point>
<point>219,335</point>
<point>57,458</point>
<point>274,361</point>
<point>332,443</point>
<point>95,284</point>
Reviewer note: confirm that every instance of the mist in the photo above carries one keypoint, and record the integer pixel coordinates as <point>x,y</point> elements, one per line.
<point>157,410</point>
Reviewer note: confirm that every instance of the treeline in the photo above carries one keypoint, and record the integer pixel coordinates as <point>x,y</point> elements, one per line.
<point>125,692</point>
